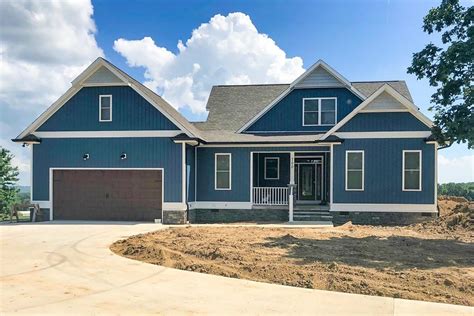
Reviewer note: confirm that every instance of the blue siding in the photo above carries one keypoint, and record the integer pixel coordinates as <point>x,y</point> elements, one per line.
<point>240,171</point>
<point>383,172</point>
<point>105,153</point>
<point>287,115</point>
<point>130,111</point>
<point>381,122</point>
<point>259,169</point>
<point>190,173</point>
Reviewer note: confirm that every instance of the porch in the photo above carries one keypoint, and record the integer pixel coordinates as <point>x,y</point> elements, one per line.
<point>296,181</point>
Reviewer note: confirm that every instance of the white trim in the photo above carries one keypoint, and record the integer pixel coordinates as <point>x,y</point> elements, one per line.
<point>230,145</point>
<point>52,169</point>
<point>251,177</point>
<point>420,170</point>
<point>230,171</point>
<point>436,173</point>
<point>265,168</point>
<point>319,111</point>
<point>347,169</point>
<point>401,134</point>
<point>31,171</point>
<point>174,206</point>
<point>100,107</point>
<point>396,208</point>
<point>195,174</point>
<point>106,134</point>
<point>385,88</point>
<point>104,84</point>
<point>183,173</point>
<point>319,63</point>
<point>331,176</point>
<point>383,110</point>
<point>220,205</point>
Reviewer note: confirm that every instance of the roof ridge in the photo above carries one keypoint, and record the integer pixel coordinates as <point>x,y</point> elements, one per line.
<point>251,85</point>
<point>374,81</point>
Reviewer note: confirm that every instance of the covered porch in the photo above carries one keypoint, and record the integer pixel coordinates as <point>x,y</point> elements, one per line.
<point>293,180</point>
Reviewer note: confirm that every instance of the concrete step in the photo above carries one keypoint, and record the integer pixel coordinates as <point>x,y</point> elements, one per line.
<point>311,213</point>
<point>313,218</point>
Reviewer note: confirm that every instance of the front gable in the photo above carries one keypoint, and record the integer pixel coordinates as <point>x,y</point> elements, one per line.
<point>130,112</point>
<point>134,106</point>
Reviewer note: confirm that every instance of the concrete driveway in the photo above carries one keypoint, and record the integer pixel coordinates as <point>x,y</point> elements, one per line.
<point>67,268</point>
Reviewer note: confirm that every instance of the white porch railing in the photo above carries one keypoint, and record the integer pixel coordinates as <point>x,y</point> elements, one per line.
<point>270,196</point>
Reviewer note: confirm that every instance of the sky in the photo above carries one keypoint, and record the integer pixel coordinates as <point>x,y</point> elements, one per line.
<point>181,48</point>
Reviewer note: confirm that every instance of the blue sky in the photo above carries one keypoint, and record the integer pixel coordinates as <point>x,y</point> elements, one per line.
<point>363,40</point>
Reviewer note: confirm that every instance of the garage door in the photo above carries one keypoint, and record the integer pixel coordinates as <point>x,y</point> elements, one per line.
<point>125,195</point>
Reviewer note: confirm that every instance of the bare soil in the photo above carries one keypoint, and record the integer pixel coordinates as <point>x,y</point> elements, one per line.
<point>432,261</point>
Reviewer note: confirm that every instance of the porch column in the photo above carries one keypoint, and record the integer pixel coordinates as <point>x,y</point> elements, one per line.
<point>292,182</point>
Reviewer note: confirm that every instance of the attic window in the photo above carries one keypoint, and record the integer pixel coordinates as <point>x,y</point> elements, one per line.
<point>105,108</point>
<point>319,111</point>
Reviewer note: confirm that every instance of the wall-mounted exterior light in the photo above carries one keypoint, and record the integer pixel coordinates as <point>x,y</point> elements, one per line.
<point>86,157</point>
<point>123,156</point>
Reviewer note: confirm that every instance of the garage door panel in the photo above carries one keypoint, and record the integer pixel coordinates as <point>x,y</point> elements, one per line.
<point>107,194</point>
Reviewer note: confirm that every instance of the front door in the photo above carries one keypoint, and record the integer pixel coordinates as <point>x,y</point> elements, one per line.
<point>306,182</point>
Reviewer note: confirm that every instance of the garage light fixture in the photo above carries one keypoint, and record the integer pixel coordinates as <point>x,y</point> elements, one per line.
<point>123,156</point>
<point>86,157</point>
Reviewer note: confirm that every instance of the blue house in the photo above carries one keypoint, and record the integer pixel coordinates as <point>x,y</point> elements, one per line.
<point>319,148</point>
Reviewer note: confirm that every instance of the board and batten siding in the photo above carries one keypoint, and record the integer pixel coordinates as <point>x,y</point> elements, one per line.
<point>287,115</point>
<point>130,111</point>
<point>190,173</point>
<point>383,122</point>
<point>105,153</point>
<point>240,191</point>
<point>383,172</point>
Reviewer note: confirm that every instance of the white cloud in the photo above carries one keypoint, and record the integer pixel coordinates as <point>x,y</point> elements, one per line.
<point>44,45</point>
<point>456,169</point>
<point>226,50</point>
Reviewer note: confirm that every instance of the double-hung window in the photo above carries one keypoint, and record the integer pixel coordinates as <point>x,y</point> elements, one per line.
<point>105,108</point>
<point>411,173</point>
<point>355,170</point>
<point>319,111</point>
<point>272,168</point>
<point>223,173</point>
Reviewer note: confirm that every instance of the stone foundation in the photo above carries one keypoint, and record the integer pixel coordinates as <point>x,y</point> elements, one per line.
<point>381,218</point>
<point>233,216</point>
<point>174,217</point>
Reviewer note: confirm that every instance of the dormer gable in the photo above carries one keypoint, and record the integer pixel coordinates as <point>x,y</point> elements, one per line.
<point>319,75</point>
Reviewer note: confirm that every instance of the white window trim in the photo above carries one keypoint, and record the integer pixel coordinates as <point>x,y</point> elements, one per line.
<point>100,107</point>
<point>319,111</point>
<point>265,168</point>
<point>363,169</point>
<point>420,170</point>
<point>230,171</point>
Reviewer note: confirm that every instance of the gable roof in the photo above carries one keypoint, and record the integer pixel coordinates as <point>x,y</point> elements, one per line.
<point>231,106</point>
<point>98,65</point>
<point>386,88</point>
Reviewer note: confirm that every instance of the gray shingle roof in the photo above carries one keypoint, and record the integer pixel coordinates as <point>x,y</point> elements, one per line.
<point>231,106</point>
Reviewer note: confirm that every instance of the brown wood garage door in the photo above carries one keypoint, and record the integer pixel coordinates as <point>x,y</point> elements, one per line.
<point>125,195</point>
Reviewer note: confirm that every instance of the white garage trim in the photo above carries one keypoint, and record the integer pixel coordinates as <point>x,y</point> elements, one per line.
<point>51,171</point>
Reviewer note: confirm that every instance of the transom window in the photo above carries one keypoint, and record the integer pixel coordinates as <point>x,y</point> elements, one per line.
<point>105,108</point>
<point>319,111</point>
<point>272,168</point>
<point>355,170</point>
<point>223,173</point>
<point>411,172</point>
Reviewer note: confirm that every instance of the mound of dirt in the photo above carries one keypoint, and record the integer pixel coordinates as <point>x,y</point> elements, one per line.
<point>456,219</point>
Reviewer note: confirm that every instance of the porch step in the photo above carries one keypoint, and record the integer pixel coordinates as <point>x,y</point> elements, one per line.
<point>313,216</point>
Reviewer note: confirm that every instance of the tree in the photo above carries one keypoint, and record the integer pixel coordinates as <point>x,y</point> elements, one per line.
<point>450,68</point>
<point>8,179</point>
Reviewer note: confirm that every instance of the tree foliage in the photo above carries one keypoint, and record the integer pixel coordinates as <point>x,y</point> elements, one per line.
<point>8,179</point>
<point>450,68</point>
<point>457,189</point>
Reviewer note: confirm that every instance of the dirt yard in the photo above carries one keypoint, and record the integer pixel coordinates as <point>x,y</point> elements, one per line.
<point>432,261</point>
